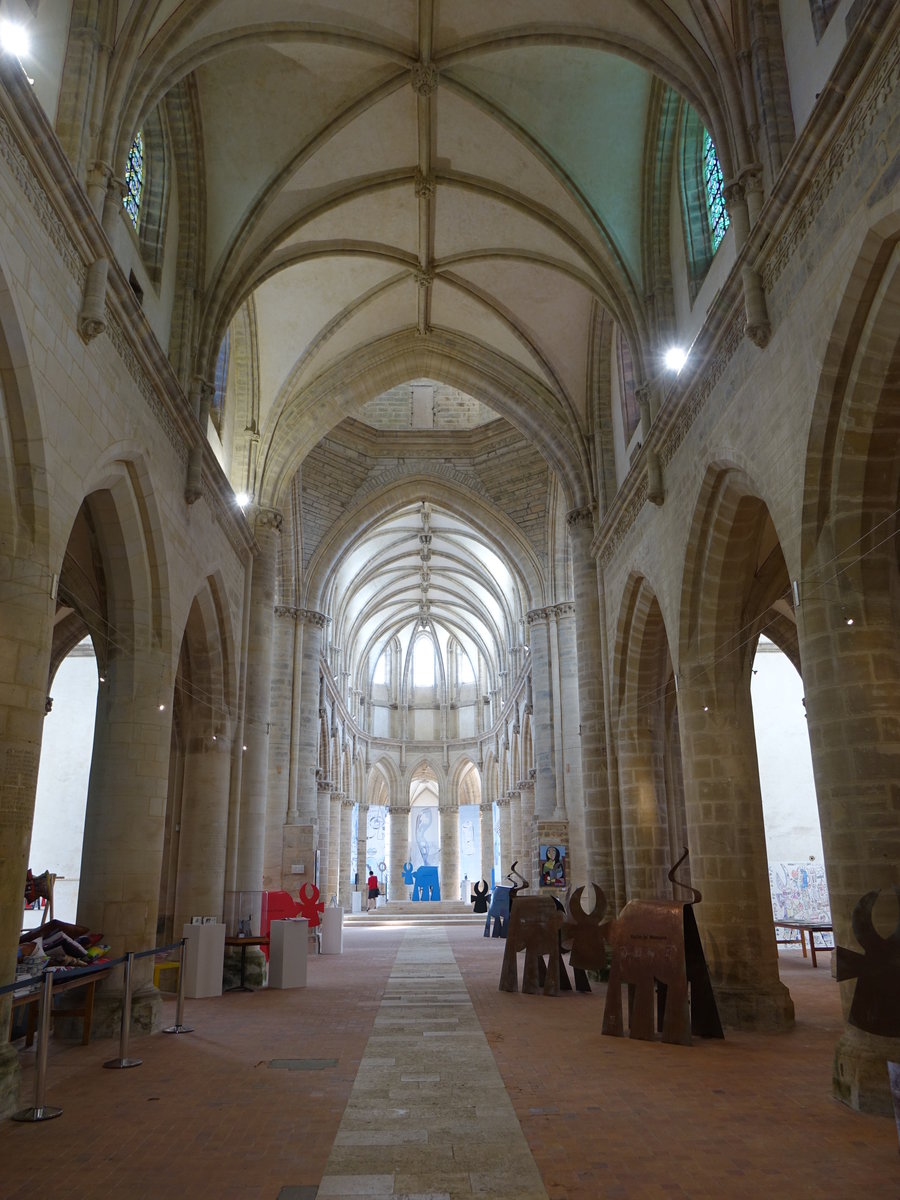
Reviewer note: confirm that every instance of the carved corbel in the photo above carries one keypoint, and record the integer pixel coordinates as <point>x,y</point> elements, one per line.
<point>758,328</point>
<point>655,491</point>
<point>92,318</point>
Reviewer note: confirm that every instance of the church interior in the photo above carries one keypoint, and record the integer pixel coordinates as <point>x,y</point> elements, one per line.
<point>423,421</point>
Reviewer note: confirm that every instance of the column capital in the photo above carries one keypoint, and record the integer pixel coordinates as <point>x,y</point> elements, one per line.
<point>268,518</point>
<point>396,809</point>
<point>347,801</point>
<point>579,518</point>
<point>525,785</point>
<point>502,801</point>
<point>536,615</point>
<point>309,616</point>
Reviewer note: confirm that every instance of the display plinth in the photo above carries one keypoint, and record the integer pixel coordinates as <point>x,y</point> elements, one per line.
<point>333,931</point>
<point>204,953</point>
<point>287,953</point>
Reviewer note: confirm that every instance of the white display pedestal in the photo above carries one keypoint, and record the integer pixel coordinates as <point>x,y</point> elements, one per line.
<point>204,956</point>
<point>287,953</point>
<point>332,931</point>
<point>356,902</point>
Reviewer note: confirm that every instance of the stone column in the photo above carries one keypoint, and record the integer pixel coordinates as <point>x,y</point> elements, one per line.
<point>124,830</point>
<point>542,698</point>
<point>26,630</point>
<point>449,815</point>
<point>398,847</point>
<point>517,847</point>
<point>851,674</point>
<point>487,841</point>
<point>506,850</point>
<point>529,821</point>
<point>727,842</point>
<point>323,811</point>
<point>362,839</point>
<point>347,857</point>
<point>570,792</point>
<point>200,885</point>
<point>311,627</point>
<point>334,845</point>
<point>591,702</point>
<point>252,821</point>
<point>643,799</point>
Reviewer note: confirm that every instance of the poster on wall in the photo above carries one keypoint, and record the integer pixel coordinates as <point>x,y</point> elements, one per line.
<point>553,866</point>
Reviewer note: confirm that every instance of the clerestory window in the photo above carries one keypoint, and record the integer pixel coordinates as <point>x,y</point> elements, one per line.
<point>716,212</point>
<point>134,179</point>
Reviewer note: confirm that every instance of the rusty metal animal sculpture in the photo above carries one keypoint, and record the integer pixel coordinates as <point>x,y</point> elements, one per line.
<point>584,936</point>
<point>876,999</point>
<point>656,951</point>
<point>534,925</point>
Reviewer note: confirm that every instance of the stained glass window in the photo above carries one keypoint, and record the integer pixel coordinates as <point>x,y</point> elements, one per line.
<point>715,201</point>
<point>134,178</point>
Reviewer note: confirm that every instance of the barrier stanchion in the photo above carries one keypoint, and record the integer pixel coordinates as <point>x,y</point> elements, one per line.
<point>123,1061</point>
<point>179,1027</point>
<point>41,1111</point>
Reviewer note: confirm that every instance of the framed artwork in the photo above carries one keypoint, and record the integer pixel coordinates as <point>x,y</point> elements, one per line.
<point>553,866</point>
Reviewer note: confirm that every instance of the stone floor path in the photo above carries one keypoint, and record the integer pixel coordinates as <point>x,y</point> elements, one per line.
<point>429,1115</point>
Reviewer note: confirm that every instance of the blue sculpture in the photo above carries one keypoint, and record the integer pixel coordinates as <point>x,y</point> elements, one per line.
<point>499,911</point>
<point>427,884</point>
<point>408,874</point>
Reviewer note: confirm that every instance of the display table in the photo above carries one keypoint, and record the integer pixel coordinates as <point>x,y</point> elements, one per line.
<point>805,927</point>
<point>288,941</point>
<point>204,949</point>
<point>61,984</point>
<point>244,942</point>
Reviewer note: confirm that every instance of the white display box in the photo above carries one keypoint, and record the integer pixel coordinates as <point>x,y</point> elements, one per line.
<point>287,953</point>
<point>333,931</point>
<point>356,902</point>
<point>204,954</point>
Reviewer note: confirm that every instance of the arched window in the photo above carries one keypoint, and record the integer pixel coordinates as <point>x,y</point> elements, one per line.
<point>703,200</point>
<point>423,661</point>
<point>631,413</point>
<point>716,212</point>
<point>220,384</point>
<point>134,179</point>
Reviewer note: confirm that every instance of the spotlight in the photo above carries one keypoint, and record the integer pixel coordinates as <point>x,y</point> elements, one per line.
<point>242,499</point>
<point>675,358</point>
<point>162,708</point>
<point>14,39</point>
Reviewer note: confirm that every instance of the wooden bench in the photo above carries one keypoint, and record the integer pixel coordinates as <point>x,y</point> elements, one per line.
<point>805,927</point>
<point>61,984</point>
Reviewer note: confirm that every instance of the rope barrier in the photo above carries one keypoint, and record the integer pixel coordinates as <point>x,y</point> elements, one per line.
<point>123,1061</point>
<point>42,985</point>
<point>41,1111</point>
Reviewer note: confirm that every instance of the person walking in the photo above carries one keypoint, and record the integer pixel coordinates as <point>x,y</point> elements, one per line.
<point>373,891</point>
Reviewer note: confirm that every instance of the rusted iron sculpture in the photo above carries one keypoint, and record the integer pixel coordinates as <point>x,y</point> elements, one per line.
<point>482,896</point>
<point>875,1007</point>
<point>534,925</point>
<point>657,952</point>
<point>584,936</point>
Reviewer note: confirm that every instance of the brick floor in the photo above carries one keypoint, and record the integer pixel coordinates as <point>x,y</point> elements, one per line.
<point>207,1115</point>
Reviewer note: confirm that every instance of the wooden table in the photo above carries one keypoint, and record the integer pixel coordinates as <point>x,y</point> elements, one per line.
<point>61,984</point>
<point>805,927</point>
<point>244,942</point>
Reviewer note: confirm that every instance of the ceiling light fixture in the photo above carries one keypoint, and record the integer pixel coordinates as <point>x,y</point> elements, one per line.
<point>14,39</point>
<point>675,358</point>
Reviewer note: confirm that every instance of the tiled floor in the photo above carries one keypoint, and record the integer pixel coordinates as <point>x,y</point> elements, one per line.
<point>376,1079</point>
